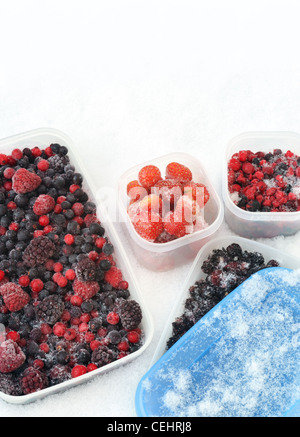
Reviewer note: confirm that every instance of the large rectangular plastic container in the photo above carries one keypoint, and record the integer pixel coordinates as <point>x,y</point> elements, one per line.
<point>242,359</point>
<point>196,273</point>
<point>166,256</point>
<point>43,138</point>
<point>259,224</point>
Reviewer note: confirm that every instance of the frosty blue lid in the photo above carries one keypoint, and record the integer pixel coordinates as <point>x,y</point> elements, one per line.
<point>241,359</point>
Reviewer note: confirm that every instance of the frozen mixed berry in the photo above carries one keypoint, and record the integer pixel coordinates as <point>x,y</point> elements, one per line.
<point>59,282</point>
<point>266,182</point>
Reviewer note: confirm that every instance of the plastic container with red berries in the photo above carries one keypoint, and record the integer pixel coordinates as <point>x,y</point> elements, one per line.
<point>261,184</point>
<point>64,313</point>
<point>187,305</point>
<point>168,244</point>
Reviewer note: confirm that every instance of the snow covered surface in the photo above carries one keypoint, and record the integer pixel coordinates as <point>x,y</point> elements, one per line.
<point>131,80</point>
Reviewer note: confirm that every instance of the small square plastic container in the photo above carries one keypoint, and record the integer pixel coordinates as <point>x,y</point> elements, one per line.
<point>196,273</point>
<point>259,224</point>
<point>43,138</point>
<point>166,256</point>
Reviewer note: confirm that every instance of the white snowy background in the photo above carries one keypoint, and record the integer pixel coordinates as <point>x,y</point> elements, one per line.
<point>130,80</point>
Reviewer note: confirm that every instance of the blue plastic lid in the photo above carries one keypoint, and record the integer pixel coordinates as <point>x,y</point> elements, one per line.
<point>241,359</point>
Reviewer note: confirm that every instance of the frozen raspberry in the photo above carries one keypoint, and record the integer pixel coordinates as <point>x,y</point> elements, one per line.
<point>178,172</point>
<point>113,276</point>
<point>147,227</point>
<point>11,356</point>
<point>149,175</point>
<point>25,181</point>
<point>130,314</point>
<point>33,380</point>
<point>50,309</point>
<point>39,250</point>
<point>102,356</point>
<point>86,290</point>
<point>234,164</point>
<point>14,296</point>
<point>43,204</point>
<point>248,168</point>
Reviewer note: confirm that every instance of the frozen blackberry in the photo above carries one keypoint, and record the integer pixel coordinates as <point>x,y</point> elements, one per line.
<point>130,314</point>
<point>87,270</point>
<point>59,373</point>
<point>33,380</point>
<point>217,257</point>
<point>272,263</point>
<point>10,385</point>
<point>196,309</point>
<point>102,356</point>
<point>180,327</point>
<point>234,250</point>
<point>225,270</point>
<point>58,163</point>
<point>39,250</point>
<point>50,309</point>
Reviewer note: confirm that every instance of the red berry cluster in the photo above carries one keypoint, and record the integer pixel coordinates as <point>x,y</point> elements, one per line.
<point>162,209</point>
<point>267,182</point>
